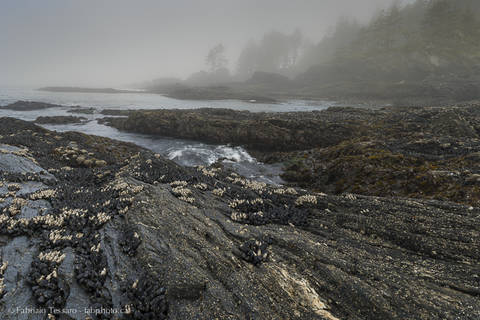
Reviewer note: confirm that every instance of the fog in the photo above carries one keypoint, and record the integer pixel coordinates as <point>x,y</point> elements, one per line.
<point>118,42</point>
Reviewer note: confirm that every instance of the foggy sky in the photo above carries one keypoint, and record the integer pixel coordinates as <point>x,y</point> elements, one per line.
<point>117,42</point>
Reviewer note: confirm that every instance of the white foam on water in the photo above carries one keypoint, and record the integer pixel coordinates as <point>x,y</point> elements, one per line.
<point>237,154</point>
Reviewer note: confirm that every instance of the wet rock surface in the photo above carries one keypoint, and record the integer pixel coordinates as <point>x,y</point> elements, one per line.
<point>152,240</point>
<point>59,120</point>
<point>429,153</point>
<point>116,112</point>
<point>256,131</point>
<point>81,110</point>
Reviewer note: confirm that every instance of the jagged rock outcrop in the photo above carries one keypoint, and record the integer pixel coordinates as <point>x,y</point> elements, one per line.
<point>427,152</point>
<point>412,152</point>
<point>256,131</point>
<point>144,236</point>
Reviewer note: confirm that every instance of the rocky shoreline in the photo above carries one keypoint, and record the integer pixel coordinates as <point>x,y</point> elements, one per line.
<point>89,222</point>
<point>418,152</point>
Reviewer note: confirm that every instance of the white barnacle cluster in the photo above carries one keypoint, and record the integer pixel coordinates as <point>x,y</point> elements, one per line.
<point>178,183</point>
<point>68,152</point>
<point>219,192</point>
<point>16,206</point>
<point>231,177</point>
<point>236,202</point>
<point>135,284</point>
<point>52,274</point>
<point>43,194</point>
<point>2,271</point>
<point>49,276</point>
<point>14,186</point>
<point>187,199</point>
<point>239,181</point>
<point>52,256</point>
<point>81,157</point>
<point>242,217</point>
<point>183,194</point>
<point>308,198</point>
<point>238,216</point>
<point>12,223</point>
<point>181,191</point>
<point>283,191</point>
<point>260,253</point>
<point>3,218</point>
<point>118,186</point>
<point>250,184</point>
<point>58,220</point>
<point>129,190</point>
<point>201,186</point>
<point>101,218</point>
<point>69,212</point>
<point>350,196</point>
<point>137,189</point>
<point>258,214</point>
<point>49,220</point>
<point>255,185</point>
<point>256,201</point>
<point>209,172</point>
<point>124,210</point>
<point>66,168</point>
<point>10,194</point>
<point>57,235</point>
<point>96,248</point>
<point>21,153</point>
<point>126,192</point>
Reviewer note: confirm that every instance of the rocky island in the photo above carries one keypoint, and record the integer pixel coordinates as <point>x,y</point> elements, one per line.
<point>115,231</point>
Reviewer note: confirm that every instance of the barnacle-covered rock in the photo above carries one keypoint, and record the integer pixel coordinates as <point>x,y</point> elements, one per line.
<point>120,238</point>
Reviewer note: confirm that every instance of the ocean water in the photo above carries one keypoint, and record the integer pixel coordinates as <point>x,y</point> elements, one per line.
<point>184,152</point>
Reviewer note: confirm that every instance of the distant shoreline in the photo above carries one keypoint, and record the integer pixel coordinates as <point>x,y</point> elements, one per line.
<point>87,90</point>
<point>211,93</point>
<point>195,93</point>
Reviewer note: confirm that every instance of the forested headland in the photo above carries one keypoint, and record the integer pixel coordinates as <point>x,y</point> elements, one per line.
<point>428,50</point>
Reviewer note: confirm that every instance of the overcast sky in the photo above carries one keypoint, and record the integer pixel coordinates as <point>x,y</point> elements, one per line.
<point>116,42</point>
